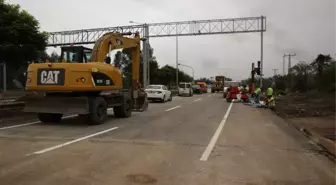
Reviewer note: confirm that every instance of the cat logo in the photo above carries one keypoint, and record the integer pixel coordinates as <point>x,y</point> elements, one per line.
<point>51,77</point>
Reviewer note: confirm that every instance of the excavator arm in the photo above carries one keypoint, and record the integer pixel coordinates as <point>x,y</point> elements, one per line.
<point>112,41</point>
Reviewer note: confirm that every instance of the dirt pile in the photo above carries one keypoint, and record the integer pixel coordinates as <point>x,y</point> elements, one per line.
<point>310,104</point>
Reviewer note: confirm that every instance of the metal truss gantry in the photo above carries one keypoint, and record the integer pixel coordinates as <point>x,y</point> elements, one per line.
<point>167,29</point>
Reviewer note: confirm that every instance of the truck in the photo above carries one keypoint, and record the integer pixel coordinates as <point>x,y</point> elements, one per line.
<point>203,86</point>
<point>85,83</point>
<point>218,84</point>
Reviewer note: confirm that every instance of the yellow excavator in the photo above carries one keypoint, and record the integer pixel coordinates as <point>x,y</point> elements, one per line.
<point>85,83</point>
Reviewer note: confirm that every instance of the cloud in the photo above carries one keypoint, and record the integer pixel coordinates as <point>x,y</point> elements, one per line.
<point>304,27</point>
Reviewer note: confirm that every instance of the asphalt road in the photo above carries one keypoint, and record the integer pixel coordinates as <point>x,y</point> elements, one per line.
<point>199,140</point>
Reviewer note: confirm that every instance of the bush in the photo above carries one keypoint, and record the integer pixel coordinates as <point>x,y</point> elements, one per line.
<point>326,82</point>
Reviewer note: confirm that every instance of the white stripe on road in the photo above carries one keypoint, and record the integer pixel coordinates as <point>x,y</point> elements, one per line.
<point>198,99</point>
<point>215,137</point>
<point>71,142</point>
<point>173,108</point>
<point>31,123</point>
<point>209,95</point>
<point>21,125</point>
<point>36,122</point>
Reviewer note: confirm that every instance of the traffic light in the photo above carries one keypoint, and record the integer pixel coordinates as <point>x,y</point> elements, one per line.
<point>257,70</point>
<point>252,72</point>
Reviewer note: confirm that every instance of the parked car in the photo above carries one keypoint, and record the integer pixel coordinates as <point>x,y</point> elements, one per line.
<point>185,89</point>
<point>197,89</point>
<point>158,93</point>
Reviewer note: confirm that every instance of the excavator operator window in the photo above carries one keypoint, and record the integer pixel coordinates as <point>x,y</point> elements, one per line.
<point>76,54</point>
<point>70,56</point>
<point>87,55</point>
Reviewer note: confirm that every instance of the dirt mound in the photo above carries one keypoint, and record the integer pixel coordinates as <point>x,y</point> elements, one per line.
<point>310,104</point>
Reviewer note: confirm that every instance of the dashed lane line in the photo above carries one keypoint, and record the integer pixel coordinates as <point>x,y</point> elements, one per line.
<point>71,142</point>
<point>197,99</point>
<point>173,108</point>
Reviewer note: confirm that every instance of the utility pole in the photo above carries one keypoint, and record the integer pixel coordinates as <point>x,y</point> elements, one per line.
<point>283,65</point>
<point>289,61</point>
<point>275,70</point>
<point>262,51</point>
<point>289,68</point>
<point>177,62</point>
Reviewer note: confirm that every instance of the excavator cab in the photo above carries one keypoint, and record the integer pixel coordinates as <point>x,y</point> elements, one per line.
<point>75,54</point>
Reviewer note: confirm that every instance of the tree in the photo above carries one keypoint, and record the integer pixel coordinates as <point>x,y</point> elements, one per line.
<point>203,79</point>
<point>123,61</point>
<point>280,82</point>
<point>302,68</point>
<point>20,38</point>
<point>301,72</point>
<point>320,63</point>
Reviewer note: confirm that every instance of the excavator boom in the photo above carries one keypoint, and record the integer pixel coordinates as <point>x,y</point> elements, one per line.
<point>112,41</point>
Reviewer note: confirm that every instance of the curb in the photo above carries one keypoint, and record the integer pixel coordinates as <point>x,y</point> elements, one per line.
<point>325,143</point>
<point>318,140</point>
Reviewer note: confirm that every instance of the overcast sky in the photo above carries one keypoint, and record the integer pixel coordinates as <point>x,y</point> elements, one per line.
<point>306,27</point>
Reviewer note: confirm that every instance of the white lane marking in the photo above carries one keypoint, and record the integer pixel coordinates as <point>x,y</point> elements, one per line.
<point>31,123</point>
<point>198,99</point>
<point>71,142</point>
<point>35,122</point>
<point>215,137</point>
<point>209,95</point>
<point>173,108</point>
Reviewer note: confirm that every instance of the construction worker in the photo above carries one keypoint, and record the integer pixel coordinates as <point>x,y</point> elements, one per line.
<point>257,93</point>
<point>251,90</point>
<point>269,92</point>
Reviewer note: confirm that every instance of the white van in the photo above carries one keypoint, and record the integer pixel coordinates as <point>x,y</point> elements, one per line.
<point>185,88</point>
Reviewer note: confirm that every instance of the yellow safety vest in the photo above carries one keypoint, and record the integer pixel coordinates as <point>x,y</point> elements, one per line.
<point>257,91</point>
<point>269,91</point>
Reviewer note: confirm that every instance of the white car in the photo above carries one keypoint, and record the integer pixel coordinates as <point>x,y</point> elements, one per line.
<point>158,92</point>
<point>185,88</point>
